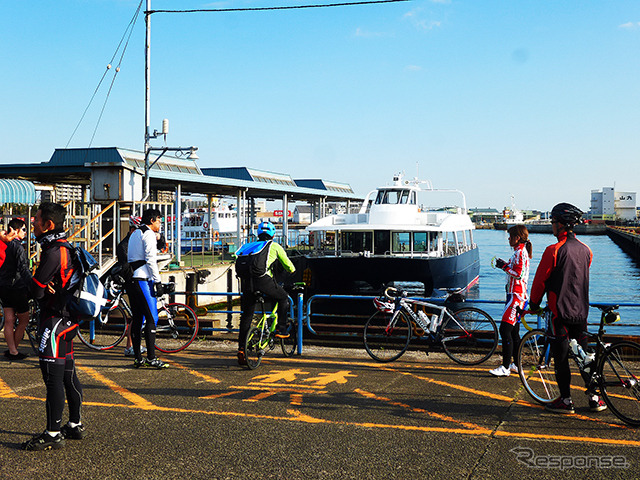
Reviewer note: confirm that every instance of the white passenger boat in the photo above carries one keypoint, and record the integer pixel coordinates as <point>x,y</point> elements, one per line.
<point>393,238</point>
<point>199,230</point>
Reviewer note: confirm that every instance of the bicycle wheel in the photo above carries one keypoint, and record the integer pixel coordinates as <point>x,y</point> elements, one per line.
<point>386,339</point>
<point>470,337</point>
<point>290,344</point>
<point>619,373</point>
<point>254,347</point>
<point>106,331</point>
<point>536,367</point>
<point>177,327</point>
<point>32,333</point>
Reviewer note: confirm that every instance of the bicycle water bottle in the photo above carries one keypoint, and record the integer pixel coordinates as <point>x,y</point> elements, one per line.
<point>578,351</point>
<point>424,320</point>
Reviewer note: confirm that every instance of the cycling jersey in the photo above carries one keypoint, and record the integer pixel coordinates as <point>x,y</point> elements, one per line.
<point>56,268</point>
<point>143,246</point>
<point>563,274</point>
<point>517,270</point>
<point>14,271</point>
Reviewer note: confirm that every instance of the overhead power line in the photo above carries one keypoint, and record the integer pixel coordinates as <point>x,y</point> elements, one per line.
<point>291,7</point>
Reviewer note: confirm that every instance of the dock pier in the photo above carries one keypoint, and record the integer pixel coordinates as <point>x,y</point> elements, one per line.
<point>627,238</point>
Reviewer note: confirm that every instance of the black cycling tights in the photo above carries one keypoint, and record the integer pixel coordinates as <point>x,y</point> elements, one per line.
<point>560,348</point>
<point>61,378</point>
<point>510,335</point>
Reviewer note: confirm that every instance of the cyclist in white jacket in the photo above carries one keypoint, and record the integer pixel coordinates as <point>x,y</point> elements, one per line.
<point>142,256</point>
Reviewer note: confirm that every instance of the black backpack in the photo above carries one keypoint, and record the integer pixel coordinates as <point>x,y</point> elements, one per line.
<point>251,260</point>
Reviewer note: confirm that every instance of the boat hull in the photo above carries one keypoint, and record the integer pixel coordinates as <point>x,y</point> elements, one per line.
<point>353,275</point>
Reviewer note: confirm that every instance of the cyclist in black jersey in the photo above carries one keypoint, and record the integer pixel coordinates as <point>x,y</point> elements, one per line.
<point>15,279</point>
<point>57,329</point>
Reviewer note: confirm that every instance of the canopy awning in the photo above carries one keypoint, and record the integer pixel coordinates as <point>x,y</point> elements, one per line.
<point>17,191</point>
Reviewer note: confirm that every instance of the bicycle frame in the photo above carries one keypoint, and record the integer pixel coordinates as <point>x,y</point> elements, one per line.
<point>267,328</point>
<point>435,335</point>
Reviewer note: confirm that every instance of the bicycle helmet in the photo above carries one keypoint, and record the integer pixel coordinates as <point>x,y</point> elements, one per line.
<point>383,304</point>
<point>134,221</point>
<point>566,214</point>
<point>268,228</point>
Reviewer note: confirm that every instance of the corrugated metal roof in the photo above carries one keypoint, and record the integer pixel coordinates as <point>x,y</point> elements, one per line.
<point>17,191</point>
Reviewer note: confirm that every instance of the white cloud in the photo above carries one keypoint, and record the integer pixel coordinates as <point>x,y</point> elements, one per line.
<point>366,34</point>
<point>415,16</point>
<point>414,68</point>
<point>629,25</point>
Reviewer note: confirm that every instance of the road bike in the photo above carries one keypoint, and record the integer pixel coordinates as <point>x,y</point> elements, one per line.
<point>261,336</point>
<point>611,370</point>
<point>469,336</point>
<point>176,329</point>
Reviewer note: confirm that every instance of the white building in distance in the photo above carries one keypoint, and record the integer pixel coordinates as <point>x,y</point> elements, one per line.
<point>607,204</point>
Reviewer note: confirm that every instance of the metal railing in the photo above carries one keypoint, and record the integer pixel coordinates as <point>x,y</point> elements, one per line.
<point>314,321</point>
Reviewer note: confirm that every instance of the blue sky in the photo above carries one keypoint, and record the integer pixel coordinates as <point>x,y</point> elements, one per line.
<point>539,99</point>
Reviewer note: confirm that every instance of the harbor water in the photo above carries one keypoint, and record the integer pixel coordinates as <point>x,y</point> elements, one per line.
<point>614,276</point>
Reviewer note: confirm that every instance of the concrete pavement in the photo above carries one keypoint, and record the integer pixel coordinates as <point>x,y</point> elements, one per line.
<point>332,413</point>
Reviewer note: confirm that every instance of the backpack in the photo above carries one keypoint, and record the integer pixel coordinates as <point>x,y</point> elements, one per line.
<point>251,259</point>
<point>86,295</point>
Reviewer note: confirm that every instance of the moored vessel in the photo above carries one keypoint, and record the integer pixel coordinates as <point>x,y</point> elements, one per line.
<point>394,237</point>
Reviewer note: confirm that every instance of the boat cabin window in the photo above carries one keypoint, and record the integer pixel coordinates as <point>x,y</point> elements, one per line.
<point>449,243</point>
<point>357,241</point>
<point>381,242</point>
<point>395,197</point>
<point>401,242</point>
<point>425,241</point>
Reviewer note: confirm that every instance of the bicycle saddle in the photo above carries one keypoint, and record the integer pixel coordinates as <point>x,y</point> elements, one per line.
<point>605,307</point>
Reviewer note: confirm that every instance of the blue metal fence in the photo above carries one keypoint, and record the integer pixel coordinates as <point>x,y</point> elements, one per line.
<point>306,317</point>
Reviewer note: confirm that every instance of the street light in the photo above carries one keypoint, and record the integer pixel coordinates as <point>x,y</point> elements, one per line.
<point>189,152</point>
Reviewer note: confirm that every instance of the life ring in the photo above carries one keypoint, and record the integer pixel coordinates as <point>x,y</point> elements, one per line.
<point>205,225</point>
<point>216,236</point>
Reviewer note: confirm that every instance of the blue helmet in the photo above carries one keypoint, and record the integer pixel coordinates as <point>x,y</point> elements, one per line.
<point>268,228</point>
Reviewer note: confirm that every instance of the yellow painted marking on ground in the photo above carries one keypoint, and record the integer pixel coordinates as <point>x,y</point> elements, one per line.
<point>261,396</point>
<point>481,393</point>
<point>502,397</point>
<point>324,379</point>
<point>279,387</point>
<point>295,399</point>
<point>439,416</point>
<point>264,384</point>
<point>276,375</point>
<point>195,373</point>
<point>299,417</point>
<point>220,395</point>
<point>132,397</point>
<point>6,391</point>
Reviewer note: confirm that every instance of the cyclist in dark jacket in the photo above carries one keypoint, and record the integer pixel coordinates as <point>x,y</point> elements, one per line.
<point>15,279</point>
<point>563,274</point>
<point>56,329</point>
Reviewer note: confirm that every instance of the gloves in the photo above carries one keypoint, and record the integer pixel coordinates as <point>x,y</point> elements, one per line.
<point>535,309</point>
<point>500,263</point>
<point>159,288</point>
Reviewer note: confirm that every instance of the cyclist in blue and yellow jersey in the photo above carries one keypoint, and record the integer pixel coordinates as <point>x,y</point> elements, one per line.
<point>56,328</point>
<point>260,278</point>
<point>563,274</point>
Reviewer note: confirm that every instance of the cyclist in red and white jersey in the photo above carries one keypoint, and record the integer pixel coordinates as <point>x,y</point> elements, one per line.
<point>517,270</point>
